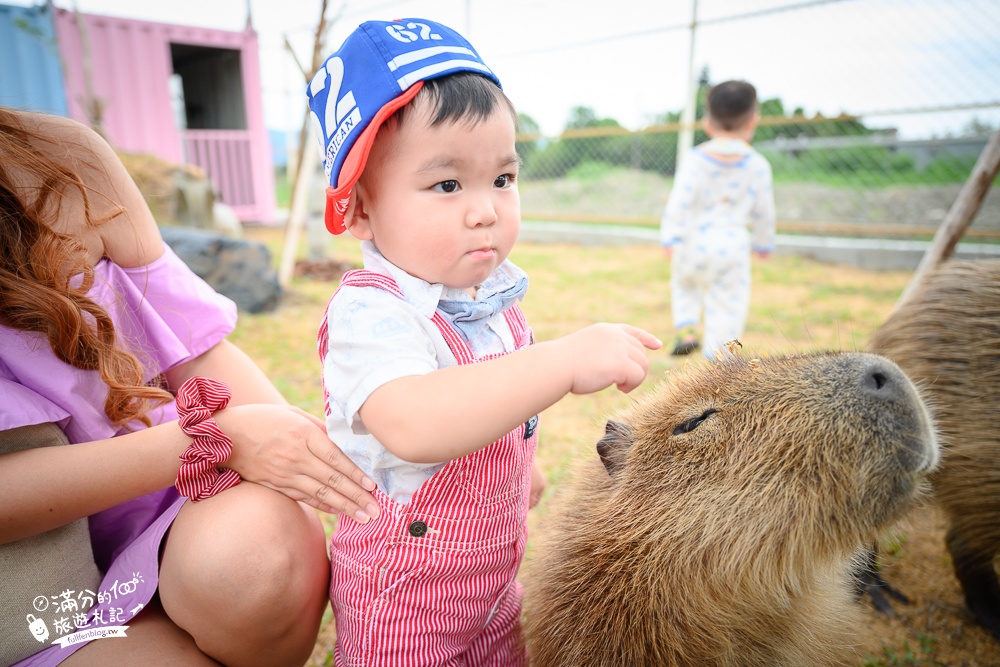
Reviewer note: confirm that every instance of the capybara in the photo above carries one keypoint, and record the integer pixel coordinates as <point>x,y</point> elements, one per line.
<point>946,337</point>
<point>718,524</point>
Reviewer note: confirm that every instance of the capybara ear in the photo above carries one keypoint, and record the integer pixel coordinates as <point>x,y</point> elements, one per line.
<point>612,447</point>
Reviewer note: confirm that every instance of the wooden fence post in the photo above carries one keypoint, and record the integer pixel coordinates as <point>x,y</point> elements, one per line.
<point>960,216</point>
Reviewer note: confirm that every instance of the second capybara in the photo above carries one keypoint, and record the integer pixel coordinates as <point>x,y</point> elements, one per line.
<point>946,337</point>
<point>717,523</point>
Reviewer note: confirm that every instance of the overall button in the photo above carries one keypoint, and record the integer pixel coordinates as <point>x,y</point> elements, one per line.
<point>418,529</point>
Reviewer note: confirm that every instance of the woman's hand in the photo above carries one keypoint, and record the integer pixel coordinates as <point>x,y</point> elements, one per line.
<point>286,449</point>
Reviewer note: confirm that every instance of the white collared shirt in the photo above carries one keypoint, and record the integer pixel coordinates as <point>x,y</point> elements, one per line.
<point>376,337</point>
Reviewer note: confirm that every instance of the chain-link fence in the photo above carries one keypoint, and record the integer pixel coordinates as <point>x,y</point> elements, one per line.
<point>915,90</point>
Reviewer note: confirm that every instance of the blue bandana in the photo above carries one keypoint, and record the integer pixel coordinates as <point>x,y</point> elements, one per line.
<point>470,317</point>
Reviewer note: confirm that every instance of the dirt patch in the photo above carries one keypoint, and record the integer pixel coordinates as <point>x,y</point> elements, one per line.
<point>935,628</point>
<point>327,270</point>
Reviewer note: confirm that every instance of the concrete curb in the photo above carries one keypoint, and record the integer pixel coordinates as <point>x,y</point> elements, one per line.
<point>876,254</point>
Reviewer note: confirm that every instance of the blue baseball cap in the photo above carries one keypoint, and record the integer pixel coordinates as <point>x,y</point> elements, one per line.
<point>379,68</point>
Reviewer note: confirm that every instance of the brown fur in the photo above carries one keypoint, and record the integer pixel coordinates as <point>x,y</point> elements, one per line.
<point>730,544</point>
<point>947,339</point>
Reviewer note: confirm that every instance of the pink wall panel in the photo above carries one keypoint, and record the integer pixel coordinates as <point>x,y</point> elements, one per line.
<point>130,71</point>
<point>260,149</point>
<point>131,68</point>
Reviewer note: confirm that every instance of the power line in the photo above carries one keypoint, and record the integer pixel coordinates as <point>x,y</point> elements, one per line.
<point>671,28</point>
<point>366,8</point>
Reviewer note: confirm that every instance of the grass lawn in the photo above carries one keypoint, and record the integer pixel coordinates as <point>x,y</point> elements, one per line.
<point>798,305</point>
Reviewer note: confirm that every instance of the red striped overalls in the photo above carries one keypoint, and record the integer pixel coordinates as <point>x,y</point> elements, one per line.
<point>432,582</point>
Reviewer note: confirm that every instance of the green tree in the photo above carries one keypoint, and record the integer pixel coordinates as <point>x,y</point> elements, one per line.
<point>565,153</point>
<point>526,125</point>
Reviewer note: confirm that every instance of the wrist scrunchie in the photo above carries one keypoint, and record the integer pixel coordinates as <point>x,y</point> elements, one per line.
<point>200,476</point>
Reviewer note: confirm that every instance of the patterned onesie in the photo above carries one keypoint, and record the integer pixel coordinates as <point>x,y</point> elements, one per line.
<point>706,221</point>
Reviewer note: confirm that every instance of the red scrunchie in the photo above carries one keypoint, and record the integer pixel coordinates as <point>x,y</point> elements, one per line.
<point>200,476</point>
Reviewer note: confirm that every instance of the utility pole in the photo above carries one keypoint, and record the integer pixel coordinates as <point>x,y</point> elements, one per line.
<point>685,138</point>
<point>308,157</point>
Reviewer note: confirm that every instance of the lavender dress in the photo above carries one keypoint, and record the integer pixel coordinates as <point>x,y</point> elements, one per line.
<point>165,315</point>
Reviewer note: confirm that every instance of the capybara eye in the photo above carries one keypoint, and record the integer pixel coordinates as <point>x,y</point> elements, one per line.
<point>692,424</point>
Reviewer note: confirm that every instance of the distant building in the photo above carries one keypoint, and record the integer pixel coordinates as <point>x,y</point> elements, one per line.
<point>188,95</point>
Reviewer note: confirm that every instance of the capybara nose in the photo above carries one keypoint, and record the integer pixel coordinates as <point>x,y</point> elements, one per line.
<point>882,380</point>
<point>886,384</point>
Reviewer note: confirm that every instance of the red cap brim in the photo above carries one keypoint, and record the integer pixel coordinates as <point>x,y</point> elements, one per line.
<point>338,198</point>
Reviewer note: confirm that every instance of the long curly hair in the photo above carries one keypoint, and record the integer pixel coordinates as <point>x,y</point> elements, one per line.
<point>45,276</point>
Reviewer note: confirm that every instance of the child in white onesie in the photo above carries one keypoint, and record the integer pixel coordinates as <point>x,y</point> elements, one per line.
<point>723,186</point>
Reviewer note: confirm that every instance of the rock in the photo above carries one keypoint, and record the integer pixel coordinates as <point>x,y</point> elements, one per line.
<point>194,198</point>
<point>225,220</point>
<point>237,268</point>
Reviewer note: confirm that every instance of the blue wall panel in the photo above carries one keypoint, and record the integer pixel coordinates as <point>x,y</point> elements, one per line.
<point>30,73</point>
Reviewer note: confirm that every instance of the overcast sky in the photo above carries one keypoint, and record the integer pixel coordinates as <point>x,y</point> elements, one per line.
<point>628,59</point>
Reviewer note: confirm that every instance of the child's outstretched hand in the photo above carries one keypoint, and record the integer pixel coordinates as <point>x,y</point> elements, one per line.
<point>609,354</point>
<point>406,413</point>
